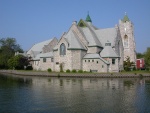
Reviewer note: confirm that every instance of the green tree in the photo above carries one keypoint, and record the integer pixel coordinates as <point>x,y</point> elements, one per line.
<point>18,62</point>
<point>147,57</point>
<point>8,47</point>
<point>140,55</point>
<point>128,64</point>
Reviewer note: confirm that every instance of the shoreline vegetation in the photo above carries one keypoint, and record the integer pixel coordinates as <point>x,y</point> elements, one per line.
<point>131,74</point>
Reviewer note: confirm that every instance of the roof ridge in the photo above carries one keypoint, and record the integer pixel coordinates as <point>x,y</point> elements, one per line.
<point>94,36</point>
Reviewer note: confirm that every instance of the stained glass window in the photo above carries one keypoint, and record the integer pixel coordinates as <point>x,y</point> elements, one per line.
<point>62,49</point>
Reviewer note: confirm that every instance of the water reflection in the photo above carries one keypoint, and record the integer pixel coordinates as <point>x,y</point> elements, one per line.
<point>12,80</point>
<point>74,95</point>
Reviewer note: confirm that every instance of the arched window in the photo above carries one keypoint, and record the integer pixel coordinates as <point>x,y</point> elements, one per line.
<point>62,49</point>
<point>125,41</point>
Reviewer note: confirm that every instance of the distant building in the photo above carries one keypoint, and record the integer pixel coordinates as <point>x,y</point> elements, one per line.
<point>86,47</point>
<point>140,64</point>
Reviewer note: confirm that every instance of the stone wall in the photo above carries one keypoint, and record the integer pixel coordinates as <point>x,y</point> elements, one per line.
<point>127,29</point>
<point>119,48</point>
<point>94,65</point>
<point>36,65</point>
<point>72,59</point>
<point>113,67</point>
<point>45,65</point>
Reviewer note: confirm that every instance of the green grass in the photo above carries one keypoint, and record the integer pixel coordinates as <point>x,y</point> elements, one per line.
<point>128,72</point>
<point>137,71</point>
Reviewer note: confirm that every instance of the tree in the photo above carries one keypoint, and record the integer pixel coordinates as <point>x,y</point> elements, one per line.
<point>140,55</point>
<point>18,62</point>
<point>8,47</point>
<point>128,64</point>
<point>147,57</point>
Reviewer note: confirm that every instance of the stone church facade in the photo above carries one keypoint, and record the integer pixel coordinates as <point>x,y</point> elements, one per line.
<point>86,47</point>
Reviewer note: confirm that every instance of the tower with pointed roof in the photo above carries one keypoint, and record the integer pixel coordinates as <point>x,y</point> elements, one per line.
<point>127,34</point>
<point>88,18</point>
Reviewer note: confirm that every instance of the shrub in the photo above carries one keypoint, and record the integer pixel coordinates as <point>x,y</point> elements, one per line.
<point>140,75</point>
<point>134,68</point>
<point>74,71</point>
<point>68,71</point>
<point>85,71</point>
<point>49,70</point>
<point>127,69</point>
<point>147,69</point>
<point>80,71</point>
<point>61,67</point>
<point>58,75</point>
<point>29,68</point>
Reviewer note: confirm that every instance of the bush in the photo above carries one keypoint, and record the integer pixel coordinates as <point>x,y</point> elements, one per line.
<point>147,69</point>
<point>61,67</point>
<point>140,75</point>
<point>80,71</point>
<point>49,70</point>
<point>68,71</point>
<point>29,68</point>
<point>74,71</point>
<point>134,68</point>
<point>58,75</point>
<point>127,69</point>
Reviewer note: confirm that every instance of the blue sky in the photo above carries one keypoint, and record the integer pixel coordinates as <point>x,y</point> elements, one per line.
<point>33,21</point>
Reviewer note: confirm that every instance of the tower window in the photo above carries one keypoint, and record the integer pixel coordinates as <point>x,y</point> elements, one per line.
<point>125,41</point>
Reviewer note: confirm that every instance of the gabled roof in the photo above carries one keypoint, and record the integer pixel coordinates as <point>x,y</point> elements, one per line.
<point>43,55</point>
<point>89,33</point>
<point>95,56</point>
<point>73,40</point>
<point>108,52</point>
<point>105,35</point>
<point>38,47</point>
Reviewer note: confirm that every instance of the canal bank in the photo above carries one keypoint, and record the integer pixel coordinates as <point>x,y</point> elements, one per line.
<point>61,74</point>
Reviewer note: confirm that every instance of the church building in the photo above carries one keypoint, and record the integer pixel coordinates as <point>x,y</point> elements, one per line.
<point>86,47</point>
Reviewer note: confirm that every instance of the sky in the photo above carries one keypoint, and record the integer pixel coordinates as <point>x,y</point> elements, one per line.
<point>33,21</point>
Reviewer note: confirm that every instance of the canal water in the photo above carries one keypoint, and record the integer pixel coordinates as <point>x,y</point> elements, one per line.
<point>26,94</point>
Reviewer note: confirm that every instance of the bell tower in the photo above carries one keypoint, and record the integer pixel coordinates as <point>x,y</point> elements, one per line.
<point>127,34</point>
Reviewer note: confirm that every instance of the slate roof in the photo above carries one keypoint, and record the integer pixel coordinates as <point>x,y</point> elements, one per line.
<point>38,47</point>
<point>105,35</point>
<point>90,35</point>
<point>73,40</point>
<point>108,52</point>
<point>44,55</point>
<point>94,56</point>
